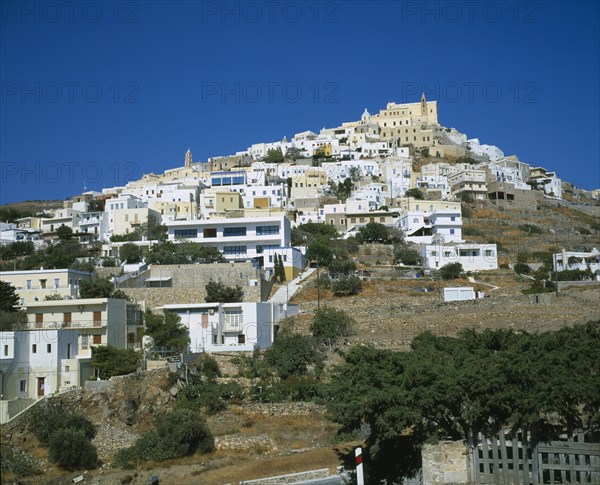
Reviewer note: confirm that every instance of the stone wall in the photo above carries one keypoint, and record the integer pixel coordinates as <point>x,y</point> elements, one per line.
<point>445,463</point>
<point>189,281</point>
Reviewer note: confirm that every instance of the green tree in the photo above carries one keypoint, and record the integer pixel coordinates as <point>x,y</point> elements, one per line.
<point>341,266</point>
<point>451,271</point>
<point>217,292</point>
<point>274,155</point>
<point>320,251</point>
<point>64,233</point>
<point>292,355</point>
<point>131,253</point>
<point>373,232</point>
<point>279,268</point>
<point>407,255</point>
<point>9,300</point>
<point>415,194</point>
<point>448,386</point>
<point>167,330</point>
<point>96,288</point>
<point>71,450</point>
<point>354,174</point>
<point>330,324</point>
<point>115,362</point>
<point>293,153</point>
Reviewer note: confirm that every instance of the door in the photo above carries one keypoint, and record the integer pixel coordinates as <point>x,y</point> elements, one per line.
<point>39,320</point>
<point>41,383</point>
<point>97,319</point>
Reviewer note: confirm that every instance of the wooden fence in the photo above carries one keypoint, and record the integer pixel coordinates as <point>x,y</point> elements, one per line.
<point>522,458</point>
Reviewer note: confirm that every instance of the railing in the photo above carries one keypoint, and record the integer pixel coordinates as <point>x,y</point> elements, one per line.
<point>57,324</point>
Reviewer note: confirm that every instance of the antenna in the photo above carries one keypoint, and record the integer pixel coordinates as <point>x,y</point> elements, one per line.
<point>84,187</point>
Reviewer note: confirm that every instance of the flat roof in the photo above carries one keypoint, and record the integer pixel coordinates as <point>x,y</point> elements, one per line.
<point>44,271</point>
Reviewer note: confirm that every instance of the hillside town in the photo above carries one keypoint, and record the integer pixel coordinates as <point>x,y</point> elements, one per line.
<point>238,249</point>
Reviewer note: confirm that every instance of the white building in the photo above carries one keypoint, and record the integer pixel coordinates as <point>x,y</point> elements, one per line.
<point>547,181</point>
<point>578,260</point>
<point>472,257</point>
<point>99,321</point>
<point>425,222</point>
<point>373,192</point>
<point>510,170</point>
<point>239,239</point>
<point>62,217</point>
<point>95,224</point>
<point>228,327</point>
<point>490,151</point>
<point>38,363</point>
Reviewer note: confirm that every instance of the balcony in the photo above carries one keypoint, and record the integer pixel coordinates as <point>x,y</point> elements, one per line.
<point>58,324</point>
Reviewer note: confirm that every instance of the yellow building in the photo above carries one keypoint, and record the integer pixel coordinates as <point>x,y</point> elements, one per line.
<point>36,285</point>
<point>128,220</point>
<point>409,124</point>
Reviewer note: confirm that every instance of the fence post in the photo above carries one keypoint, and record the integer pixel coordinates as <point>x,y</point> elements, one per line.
<point>360,479</point>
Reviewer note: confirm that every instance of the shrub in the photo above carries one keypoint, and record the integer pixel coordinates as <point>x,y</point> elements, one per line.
<point>17,461</point>
<point>522,268</point>
<point>293,354</point>
<point>407,255</point>
<point>115,362</point>
<point>347,285</point>
<point>71,449</point>
<point>530,229</point>
<point>341,266</point>
<point>177,434</point>
<point>207,367</point>
<point>217,292</point>
<point>210,397</point>
<point>109,263</point>
<point>330,324</point>
<point>291,389</point>
<point>451,271</point>
<point>48,418</point>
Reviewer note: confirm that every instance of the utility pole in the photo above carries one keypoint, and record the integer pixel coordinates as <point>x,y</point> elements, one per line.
<point>555,262</point>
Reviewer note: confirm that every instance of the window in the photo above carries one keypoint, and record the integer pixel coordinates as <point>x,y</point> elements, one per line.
<point>434,253</point>
<point>56,283</point>
<point>28,284</point>
<point>241,338</point>
<point>34,349</point>
<point>186,233</point>
<point>234,231</point>
<point>210,232</point>
<point>234,250</point>
<point>97,339</point>
<point>97,319</point>
<point>49,348</point>
<point>451,231</point>
<point>5,350</point>
<point>23,385</point>
<point>131,338</point>
<point>382,219</point>
<point>68,350</point>
<point>266,230</point>
<point>489,252</point>
<point>353,220</point>
<point>452,218</point>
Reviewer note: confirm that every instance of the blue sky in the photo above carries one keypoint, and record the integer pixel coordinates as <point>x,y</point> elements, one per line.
<point>104,92</point>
